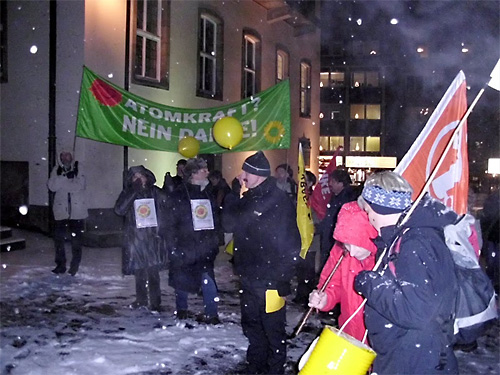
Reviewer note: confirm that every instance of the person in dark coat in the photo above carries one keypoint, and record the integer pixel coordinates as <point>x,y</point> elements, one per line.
<point>266,247</point>
<point>339,182</point>
<point>410,298</point>
<point>218,188</point>
<point>285,181</point>
<point>142,203</point>
<point>490,227</point>
<point>169,182</point>
<point>192,243</point>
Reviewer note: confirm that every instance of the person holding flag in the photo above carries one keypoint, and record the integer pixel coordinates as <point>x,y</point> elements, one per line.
<point>306,267</point>
<point>410,302</point>
<point>266,247</point>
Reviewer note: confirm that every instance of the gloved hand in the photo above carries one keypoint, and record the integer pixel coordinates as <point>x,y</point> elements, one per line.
<point>71,174</point>
<point>363,281</point>
<point>59,170</point>
<point>168,182</point>
<point>137,185</point>
<point>236,186</point>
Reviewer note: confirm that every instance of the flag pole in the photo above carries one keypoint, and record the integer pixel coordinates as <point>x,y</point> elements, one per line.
<point>323,287</point>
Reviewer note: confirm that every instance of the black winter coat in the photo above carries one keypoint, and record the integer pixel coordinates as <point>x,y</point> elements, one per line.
<point>190,252</point>
<point>408,314</point>
<point>266,237</point>
<point>142,247</point>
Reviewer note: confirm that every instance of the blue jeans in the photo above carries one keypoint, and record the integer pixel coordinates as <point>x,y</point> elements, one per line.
<point>209,291</point>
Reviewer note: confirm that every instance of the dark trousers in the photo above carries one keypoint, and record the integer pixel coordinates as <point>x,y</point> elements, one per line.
<point>74,229</point>
<point>266,353</point>
<point>306,277</point>
<point>147,284</point>
<point>209,290</point>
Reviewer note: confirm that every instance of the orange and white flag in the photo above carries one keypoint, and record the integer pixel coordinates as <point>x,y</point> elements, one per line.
<point>451,183</point>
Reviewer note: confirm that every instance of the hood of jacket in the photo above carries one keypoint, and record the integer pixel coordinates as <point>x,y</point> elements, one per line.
<point>430,213</point>
<point>353,227</point>
<point>150,177</point>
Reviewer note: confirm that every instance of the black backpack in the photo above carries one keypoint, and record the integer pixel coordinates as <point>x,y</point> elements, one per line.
<point>476,300</point>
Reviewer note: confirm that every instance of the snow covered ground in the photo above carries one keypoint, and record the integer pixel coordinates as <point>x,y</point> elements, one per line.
<point>81,325</point>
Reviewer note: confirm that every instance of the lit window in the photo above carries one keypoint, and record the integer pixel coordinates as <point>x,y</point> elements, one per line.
<point>281,65</point>
<point>210,60</point>
<point>327,143</point>
<point>336,142</point>
<point>305,89</point>
<point>365,111</point>
<point>357,144</point>
<point>149,21</point>
<point>372,144</point>
<point>357,111</point>
<point>324,79</point>
<point>251,63</point>
<point>367,144</point>
<point>373,111</point>
<point>337,78</point>
<point>365,79</point>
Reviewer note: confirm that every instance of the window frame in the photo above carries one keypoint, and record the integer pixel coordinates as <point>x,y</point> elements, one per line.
<point>162,37</point>
<point>305,89</point>
<point>285,55</point>
<point>250,37</point>
<point>216,91</point>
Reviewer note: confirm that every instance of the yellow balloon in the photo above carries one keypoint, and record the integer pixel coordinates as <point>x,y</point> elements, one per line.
<point>228,132</point>
<point>189,147</point>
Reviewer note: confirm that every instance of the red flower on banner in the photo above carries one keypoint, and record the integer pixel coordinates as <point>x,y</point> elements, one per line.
<point>105,94</point>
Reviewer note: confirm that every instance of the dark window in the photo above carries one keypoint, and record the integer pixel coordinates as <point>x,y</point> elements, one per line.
<point>305,89</point>
<point>251,64</point>
<point>209,82</point>
<point>282,65</point>
<point>149,46</point>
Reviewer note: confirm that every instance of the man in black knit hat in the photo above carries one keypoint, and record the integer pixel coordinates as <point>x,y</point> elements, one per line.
<point>266,246</point>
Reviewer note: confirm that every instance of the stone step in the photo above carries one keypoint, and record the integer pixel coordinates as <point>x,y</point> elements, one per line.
<point>11,244</point>
<point>5,232</point>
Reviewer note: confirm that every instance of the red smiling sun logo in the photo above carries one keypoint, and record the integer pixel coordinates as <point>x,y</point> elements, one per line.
<point>105,94</point>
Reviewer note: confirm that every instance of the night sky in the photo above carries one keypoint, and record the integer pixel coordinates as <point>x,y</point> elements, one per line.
<point>459,35</point>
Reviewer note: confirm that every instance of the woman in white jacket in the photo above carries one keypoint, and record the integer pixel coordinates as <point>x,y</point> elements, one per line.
<point>70,210</point>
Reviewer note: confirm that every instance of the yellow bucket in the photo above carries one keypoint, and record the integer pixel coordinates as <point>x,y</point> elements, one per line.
<point>338,353</point>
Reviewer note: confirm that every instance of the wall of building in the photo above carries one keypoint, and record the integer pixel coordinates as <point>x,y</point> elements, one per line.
<point>93,33</point>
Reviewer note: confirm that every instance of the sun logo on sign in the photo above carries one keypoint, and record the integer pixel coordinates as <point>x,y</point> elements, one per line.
<point>201,211</point>
<point>143,210</point>
<point>274,131</point>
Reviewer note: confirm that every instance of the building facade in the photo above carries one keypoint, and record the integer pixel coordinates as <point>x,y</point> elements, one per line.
<point>188,54</point>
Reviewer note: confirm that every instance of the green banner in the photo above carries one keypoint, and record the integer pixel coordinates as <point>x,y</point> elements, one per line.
<point>109,114</point>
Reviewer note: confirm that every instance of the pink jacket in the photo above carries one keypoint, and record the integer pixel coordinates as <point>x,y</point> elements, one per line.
<point>352,227</point>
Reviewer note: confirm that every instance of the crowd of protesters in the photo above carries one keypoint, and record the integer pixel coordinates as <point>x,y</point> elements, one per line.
<point>181,226</point>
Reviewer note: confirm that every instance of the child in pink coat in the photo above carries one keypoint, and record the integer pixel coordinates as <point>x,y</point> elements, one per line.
<point>354,233</point>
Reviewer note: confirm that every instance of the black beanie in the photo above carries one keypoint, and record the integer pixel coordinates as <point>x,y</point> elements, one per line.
<point>257,164</point>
